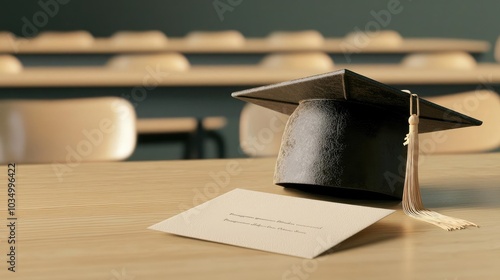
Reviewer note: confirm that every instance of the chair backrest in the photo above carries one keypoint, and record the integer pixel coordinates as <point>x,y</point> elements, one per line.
<point>383,39</point>
<point>483,105</point>
<point>63,39</point>
<point>440,60</point>
<point>171,62</point>
<point>496,52</point>
<point>300,60</point>
<point>261,130</point>
<point>305,39</point>
<point>151,38</point>
<point>261,136</point>
<point>10,64</point>
<point>66,131</point>
<point>215,39</point>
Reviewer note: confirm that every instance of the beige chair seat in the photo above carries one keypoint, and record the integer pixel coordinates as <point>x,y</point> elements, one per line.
<point>67,131</point>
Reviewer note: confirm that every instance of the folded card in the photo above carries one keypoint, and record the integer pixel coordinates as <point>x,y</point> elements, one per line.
<point>275,223</point>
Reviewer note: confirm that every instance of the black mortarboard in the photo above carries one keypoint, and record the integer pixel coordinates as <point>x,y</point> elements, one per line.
<point>346,131</point>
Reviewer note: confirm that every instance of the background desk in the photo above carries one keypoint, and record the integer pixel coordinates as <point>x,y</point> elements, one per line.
<point>241,75</point>
<point>92,225</point>
<point>250,45</point>
<point>202,93</point>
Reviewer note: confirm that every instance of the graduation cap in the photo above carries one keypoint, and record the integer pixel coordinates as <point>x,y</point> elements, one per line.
<point>346,132</point>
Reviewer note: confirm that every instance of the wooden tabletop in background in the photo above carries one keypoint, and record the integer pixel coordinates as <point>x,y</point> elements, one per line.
<point>484,73</point>
<point>90,223</point>
<point>251,45</point>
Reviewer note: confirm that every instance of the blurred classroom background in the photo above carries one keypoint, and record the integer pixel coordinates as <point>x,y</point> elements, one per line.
<point>465,20</point>
<point>257,18</point>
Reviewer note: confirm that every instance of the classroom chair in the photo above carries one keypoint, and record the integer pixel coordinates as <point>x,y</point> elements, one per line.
<point>67,131</point>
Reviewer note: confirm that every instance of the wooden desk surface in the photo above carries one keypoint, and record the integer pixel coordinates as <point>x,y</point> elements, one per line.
<point>484,73</point>
<point>92,225</point>
<point>251,45</point>
<point>177,125</point>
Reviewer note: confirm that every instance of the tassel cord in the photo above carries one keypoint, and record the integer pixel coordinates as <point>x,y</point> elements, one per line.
<point>412,200</point>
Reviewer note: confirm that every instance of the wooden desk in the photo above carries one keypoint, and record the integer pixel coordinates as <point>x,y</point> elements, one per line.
<point>192,131</point>
<point>485,73</point>
<point>252,45</point>
<point>92,225</point>
<point>178,125</point>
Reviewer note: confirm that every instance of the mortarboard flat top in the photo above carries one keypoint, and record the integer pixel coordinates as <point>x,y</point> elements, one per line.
<point>345,85</point>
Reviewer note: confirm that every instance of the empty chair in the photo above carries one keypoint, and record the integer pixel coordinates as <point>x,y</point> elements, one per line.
<point>440,60</point>
<point>261,129</point>
<point>66,132</point>
<point>380,39</point>
<point>215,39</point>
<point>483,105</point>
<point>302,60</point>
<point>148,39</point>
<point>296,39</point>
<point>10,64</point>
<point>497,50</point>
<point>64,39</point>
<point>140,62</point>
<point>7,41</point>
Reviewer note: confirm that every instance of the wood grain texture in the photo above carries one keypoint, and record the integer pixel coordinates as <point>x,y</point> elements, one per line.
<point>484,73</point>
<point>92,224</point>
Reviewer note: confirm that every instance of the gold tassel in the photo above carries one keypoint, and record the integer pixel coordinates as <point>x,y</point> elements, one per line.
<point>412,200</point>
